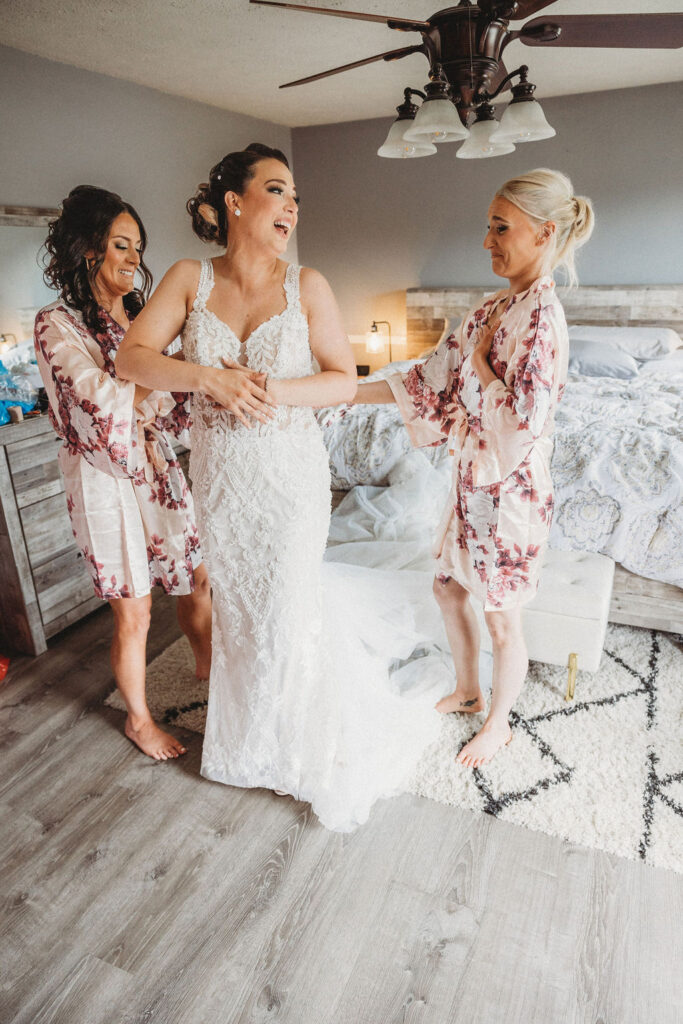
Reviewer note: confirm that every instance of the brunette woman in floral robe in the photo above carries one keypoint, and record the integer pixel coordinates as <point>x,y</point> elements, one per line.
<point>130,507</point>
<point>490,390</point>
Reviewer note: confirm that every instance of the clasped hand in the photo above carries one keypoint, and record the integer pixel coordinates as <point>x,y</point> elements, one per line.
<point>242,392</point>
<point>482,349</point>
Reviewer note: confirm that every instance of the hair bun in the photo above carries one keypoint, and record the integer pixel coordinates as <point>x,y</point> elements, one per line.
<point>584,219</point>
<point>207,213</point>
<point>205,220</point>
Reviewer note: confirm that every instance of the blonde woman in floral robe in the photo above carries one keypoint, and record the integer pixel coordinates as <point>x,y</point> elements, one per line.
<point>490,391</point>
<point>130,507</point>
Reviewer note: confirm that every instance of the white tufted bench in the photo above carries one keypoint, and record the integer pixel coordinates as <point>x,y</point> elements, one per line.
<point>565,623</point>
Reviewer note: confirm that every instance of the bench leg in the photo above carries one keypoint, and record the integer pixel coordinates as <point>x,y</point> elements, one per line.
<point>571,677</point>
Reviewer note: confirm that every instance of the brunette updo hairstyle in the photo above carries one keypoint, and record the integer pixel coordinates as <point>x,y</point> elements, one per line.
<point>549,195</point>
<point>232,174</point>
<point>83,226</point>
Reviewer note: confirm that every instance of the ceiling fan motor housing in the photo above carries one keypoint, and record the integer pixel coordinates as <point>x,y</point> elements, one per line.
<point>468,46</point>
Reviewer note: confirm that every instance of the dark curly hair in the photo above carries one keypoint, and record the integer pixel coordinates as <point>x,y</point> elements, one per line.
<point>232,174</point>
<point>83,226</point>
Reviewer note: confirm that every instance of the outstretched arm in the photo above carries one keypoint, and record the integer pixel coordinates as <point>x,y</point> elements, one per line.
<point>140,357</point>
<point>375,392</point>
<point>336,381</point>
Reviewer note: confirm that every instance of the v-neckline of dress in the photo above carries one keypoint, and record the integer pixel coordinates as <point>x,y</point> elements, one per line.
<point>226,325</point>
<point>242,344</point>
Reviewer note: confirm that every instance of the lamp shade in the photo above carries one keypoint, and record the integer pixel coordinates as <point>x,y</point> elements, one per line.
<point>437,120</point>
<point>523,121</point>
<point>374,342</point>
<point>480,143</point>
<point>395,146</point>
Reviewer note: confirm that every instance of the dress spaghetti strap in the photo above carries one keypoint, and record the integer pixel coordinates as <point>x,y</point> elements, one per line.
<point>291,286</point>
<point>204,287</point>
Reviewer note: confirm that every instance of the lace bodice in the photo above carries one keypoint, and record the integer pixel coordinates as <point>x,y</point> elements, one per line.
<point>279,347</point>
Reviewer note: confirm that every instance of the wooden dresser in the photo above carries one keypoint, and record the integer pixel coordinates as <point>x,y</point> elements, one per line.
<point>44,583</point>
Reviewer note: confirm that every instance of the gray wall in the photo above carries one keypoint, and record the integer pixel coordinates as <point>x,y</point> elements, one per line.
<point>375,227</point>
<point>61,126</point>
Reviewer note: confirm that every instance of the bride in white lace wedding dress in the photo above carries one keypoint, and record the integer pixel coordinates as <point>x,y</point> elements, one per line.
<point>300,699</point>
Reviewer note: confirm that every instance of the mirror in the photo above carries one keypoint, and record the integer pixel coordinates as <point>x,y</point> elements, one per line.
<point>22,289</point>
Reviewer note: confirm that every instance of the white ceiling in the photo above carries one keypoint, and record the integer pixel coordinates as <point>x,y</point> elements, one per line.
<point>234,55</point>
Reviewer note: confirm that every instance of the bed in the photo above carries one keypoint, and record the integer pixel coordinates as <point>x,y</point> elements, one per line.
<point>618,459</point>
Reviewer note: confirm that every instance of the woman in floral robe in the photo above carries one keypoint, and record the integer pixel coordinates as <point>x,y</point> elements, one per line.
<point>130,507</point>
<point>490,390</point>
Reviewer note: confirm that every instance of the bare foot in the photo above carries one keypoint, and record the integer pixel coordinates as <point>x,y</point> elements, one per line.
<point>153,741</point>
<point>485,745</point>
<point>459,701</point>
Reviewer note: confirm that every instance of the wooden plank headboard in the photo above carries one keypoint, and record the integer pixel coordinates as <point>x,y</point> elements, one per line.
<point>622,305</point>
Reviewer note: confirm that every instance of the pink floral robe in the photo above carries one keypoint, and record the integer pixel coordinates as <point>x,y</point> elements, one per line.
<point>496,524</point>
<point>131,510</point>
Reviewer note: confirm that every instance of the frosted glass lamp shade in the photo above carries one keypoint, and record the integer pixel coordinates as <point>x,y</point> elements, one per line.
<point>437,120</point>
<point>523,122</point>
<point>374,342</point>
<point>396,147</point>
<point>480,143</point>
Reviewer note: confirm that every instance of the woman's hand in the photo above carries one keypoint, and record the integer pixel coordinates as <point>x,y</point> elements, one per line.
<point>481,352</point>
<point>482,349</point>
<point>239,390</point>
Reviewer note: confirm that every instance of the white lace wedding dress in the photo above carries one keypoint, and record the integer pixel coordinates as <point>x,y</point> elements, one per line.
<point>300,696</point>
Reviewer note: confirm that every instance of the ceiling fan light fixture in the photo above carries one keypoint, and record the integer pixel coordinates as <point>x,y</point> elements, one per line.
<point>438,121</point>
<point>470,39</point>
<point>396,147</point>
<point>523,120</point>
<point>481,142</point>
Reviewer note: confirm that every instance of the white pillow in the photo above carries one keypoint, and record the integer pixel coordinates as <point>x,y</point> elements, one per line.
<point>596,359</point>
<point>671,363</point>
<point>639,342</point>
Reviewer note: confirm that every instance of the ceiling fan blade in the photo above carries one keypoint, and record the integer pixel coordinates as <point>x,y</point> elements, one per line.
<point>502,8</point>
<point>402,24</point>
<point>525,8</point>
<point>645,31</point>
<point>388,56</point>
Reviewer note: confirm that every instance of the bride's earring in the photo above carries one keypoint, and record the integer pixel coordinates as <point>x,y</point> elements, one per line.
<point>238,212</point>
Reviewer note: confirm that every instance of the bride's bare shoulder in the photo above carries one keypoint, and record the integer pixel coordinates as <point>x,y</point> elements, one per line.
<point>185,270</point>
<point>313,284</point>
<point>182,277</point>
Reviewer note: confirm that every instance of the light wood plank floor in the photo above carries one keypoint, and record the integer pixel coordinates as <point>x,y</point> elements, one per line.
<point>136,893</point>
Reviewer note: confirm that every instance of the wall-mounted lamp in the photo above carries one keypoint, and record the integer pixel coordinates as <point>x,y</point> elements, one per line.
<point>373,340</point>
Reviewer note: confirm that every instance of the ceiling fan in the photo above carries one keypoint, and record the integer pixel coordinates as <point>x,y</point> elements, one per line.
<point>464,46</point>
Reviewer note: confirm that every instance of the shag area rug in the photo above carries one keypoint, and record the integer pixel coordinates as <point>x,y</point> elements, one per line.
<point>605,771</point>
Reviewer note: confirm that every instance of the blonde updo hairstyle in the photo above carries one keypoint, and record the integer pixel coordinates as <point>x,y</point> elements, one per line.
<point>545,195</point>
<point>231,174</point>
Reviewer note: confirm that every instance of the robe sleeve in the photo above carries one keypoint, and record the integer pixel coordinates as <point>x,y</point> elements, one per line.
<point>91,411</point>
<point>426,395</point>
<point>178,420</point>
<point>519,410</point>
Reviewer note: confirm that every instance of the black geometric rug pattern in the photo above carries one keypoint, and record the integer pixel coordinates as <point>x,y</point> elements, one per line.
<point>604,771</point>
